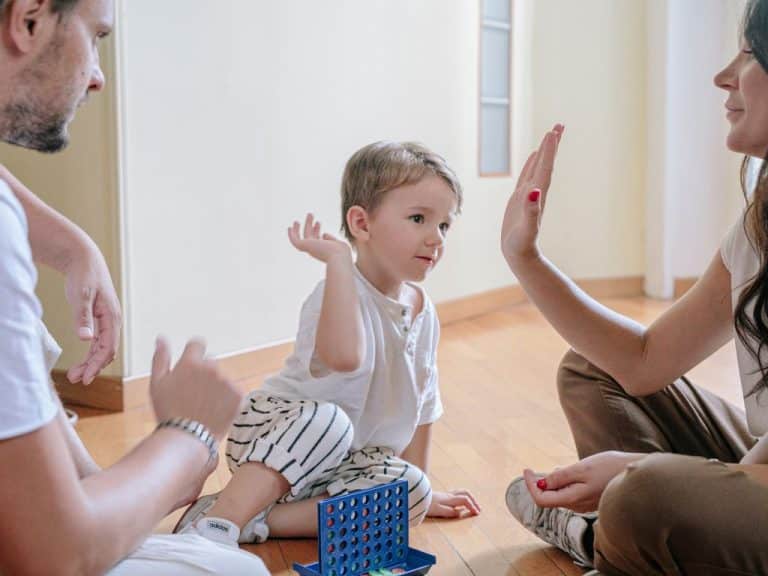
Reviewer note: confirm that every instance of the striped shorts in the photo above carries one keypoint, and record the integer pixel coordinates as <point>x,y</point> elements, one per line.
<point>308,443</point>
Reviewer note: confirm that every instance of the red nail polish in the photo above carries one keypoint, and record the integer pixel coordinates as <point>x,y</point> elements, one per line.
<point>534,196</point>
<point>541,484</point>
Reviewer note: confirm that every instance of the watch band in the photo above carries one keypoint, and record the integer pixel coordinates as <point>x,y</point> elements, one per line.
<point>195,428</point>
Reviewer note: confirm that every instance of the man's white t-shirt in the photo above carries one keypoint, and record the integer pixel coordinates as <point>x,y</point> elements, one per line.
<point>27,351</point>
<point>395,388</point>
<point>742,261</point>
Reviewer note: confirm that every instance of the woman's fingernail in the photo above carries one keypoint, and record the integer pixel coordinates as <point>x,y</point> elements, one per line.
<point>541,484</point>
<point>534,196</point>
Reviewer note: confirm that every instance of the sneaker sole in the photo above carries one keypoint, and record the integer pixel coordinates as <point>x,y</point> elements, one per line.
<point>513,491</point>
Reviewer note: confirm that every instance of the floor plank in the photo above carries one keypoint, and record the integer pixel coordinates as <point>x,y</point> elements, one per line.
<point>497,375</point>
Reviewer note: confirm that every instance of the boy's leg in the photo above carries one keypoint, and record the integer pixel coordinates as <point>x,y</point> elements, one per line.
<point>253,488</point>
<point>682,418</point>
<point>295,516</point>
<point>361,469</point>
<point>371,467</point>
<point>188,555</point>
<point>671,514</point>
<point>277,447</point>
<point>297,519</point>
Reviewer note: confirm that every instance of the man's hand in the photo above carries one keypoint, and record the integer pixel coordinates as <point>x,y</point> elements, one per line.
<point>96,312</point>
<point>193,388</point>
<point>453,504</point>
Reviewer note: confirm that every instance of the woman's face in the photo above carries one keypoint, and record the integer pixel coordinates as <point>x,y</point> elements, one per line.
<point>747,104</point>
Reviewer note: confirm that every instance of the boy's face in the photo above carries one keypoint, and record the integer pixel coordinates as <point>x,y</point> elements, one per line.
<point>407,230</point>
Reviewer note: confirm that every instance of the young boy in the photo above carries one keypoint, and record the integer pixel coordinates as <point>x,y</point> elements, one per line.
<point>354,404</point>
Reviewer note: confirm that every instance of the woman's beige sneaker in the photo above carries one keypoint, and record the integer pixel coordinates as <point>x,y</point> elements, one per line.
<point>560,527</point>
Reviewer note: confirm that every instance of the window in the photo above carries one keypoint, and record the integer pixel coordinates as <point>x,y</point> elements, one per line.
<point>495,110</point>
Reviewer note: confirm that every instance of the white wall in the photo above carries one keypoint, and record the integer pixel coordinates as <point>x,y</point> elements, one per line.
<point>589,73</point>
<point>237,116</point>
<point>693,194</point>
<point>241,119</point>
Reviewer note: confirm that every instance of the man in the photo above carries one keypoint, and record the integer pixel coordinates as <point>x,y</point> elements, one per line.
<point>60,513</point>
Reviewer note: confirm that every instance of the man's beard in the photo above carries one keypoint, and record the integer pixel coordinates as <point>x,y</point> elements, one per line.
<point>28,126</point>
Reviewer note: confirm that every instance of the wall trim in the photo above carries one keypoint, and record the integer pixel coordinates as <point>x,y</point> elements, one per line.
<point>125,394</point>
<point>104,392</point>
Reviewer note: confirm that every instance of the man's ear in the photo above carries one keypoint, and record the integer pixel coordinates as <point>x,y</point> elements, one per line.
<point>357,222</point>
<point>27,23</point>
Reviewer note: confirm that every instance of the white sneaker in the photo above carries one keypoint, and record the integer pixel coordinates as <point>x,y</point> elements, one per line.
<point>560,527</point>
<point>196,510</point>
<point>218,530</point>
<point>71,416</point>
<point>255,531</point>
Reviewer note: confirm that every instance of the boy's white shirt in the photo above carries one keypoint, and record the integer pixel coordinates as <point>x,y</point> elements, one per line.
<point>394,390</point>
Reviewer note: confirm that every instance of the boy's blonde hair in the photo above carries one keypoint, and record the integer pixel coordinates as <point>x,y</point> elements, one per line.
<point>377,168</point>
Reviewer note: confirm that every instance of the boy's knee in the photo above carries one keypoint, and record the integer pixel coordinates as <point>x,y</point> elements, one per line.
<point>419,495</point>
<point>331,420</point>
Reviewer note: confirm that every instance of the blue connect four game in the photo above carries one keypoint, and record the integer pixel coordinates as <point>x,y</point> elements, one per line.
<point>365,533</point>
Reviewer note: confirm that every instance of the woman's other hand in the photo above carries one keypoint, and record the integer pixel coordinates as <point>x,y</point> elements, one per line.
<point>579,486</point>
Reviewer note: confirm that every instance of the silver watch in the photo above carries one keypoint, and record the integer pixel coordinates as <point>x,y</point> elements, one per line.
<point>197,429</point>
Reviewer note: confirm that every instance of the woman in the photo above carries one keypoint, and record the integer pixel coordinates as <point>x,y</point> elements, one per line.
<point>698,505</point>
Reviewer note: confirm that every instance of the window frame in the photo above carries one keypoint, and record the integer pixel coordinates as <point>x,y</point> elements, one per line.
<point>484,101</point>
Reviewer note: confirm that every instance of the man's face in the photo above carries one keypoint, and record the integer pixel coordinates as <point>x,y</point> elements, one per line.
<point>59,78</point>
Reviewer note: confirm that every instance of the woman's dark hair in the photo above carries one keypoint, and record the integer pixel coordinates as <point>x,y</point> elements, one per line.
<point>752,327</point>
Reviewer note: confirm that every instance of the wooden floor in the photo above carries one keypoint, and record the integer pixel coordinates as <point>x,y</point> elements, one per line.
<point>497,378</point>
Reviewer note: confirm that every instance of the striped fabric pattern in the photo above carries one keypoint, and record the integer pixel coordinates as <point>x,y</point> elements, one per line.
<point>308,443</point>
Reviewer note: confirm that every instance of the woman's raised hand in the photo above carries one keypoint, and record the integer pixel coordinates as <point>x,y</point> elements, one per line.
<point>319,245</point>
<point>522,217</point>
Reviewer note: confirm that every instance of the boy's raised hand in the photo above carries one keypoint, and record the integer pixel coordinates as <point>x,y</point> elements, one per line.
<point>522,217</point>
<point>314,242</point>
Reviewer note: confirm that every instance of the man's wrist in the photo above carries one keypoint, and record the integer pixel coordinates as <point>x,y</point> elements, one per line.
<point>195,430</point>
<point>75,248</point>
